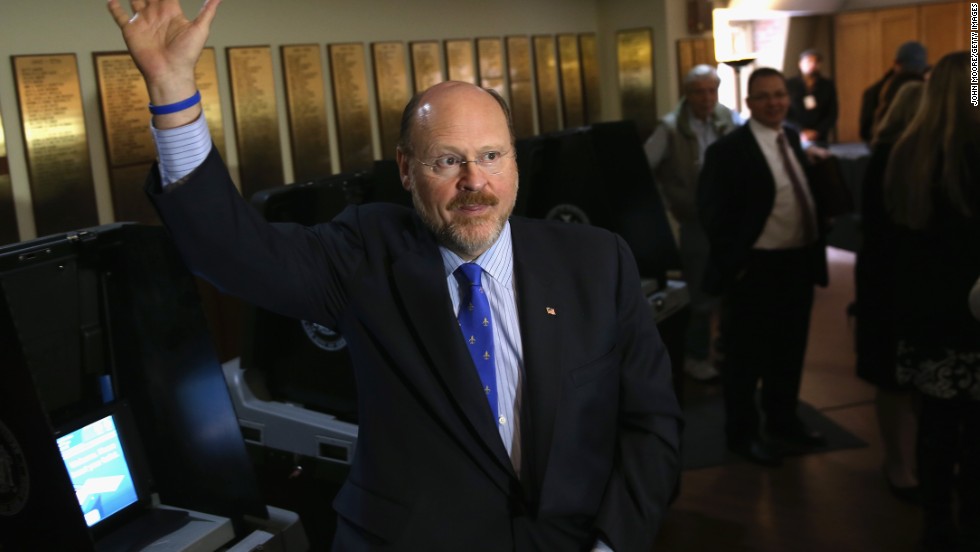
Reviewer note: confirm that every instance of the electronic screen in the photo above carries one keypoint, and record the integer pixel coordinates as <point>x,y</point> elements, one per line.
<point>99,469</point>
<point>102,458</point>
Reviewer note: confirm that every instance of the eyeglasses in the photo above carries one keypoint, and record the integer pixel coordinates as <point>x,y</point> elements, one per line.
<point>765,97</point>
<point>448,166</point>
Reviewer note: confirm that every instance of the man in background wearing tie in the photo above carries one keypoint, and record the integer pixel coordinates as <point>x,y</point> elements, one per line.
<point>513,391</point>
<point>767,253</point>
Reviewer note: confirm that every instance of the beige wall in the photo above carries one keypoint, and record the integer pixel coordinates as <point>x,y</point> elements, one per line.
<point>83,27</point>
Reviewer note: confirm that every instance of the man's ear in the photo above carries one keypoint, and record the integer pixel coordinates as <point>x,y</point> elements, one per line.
<point>402,159</point>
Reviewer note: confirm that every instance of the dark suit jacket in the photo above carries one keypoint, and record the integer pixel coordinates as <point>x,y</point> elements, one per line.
<point>736,192</point>
<point>599,420</point>
<point>824,117</point>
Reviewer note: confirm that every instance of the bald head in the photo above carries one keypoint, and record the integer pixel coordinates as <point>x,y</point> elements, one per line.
<point>441,96</point>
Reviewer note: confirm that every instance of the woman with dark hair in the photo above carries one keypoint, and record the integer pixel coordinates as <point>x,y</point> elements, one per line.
<point>874,286</point>
<point>932,192</point>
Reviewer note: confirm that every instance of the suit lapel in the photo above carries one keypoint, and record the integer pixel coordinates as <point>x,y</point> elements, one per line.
<point>420,280</point>
<point>539,306</point>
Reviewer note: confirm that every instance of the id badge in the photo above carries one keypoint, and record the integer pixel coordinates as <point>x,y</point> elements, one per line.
<point>810,102</point>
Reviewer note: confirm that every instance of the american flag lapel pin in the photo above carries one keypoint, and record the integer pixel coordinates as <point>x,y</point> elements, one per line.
<point>550,311</point>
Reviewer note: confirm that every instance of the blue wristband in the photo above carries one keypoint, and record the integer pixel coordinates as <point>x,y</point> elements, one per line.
<point>175,107</point>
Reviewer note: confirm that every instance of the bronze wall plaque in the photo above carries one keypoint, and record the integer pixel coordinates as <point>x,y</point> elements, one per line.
<point>573,108</point>
<point>521,85</point>
<point>206,74</point>
<point>546,68</point>
<point>391,88</point>
<point>306,107</point>
<point>53,122</point>
<point>125,124</point>
<point>253,98</point>
<point>459,60</point>
<point>8,215</point>
<point>125,118</point>
<point>634,54</point>
<point>490,56</point>
<point>350,96</point>
<point>590,77</point>
<point>426,64</point>
<point>129,202</point>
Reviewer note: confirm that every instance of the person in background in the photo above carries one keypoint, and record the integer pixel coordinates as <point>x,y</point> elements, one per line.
<point>932,193</point>
<point>767,239</point>
<point>675,152</point>
<point>812,100</point>
<point>874,283</point>
<point>910,65</point>
<point>540,417</point>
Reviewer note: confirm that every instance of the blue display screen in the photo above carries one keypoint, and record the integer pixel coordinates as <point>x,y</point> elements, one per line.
<point>98,468</point>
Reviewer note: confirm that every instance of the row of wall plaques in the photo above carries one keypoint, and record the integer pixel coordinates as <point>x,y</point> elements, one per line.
<point>562,69</point>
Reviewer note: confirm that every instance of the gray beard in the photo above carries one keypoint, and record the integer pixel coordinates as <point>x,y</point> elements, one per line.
<point>466,239</point>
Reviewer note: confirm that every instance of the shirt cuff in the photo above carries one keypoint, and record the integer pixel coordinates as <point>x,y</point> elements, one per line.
<point>600,546</point>
<point>181,149</point>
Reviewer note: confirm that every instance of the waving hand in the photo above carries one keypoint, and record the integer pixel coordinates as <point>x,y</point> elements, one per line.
<point>165,46</point>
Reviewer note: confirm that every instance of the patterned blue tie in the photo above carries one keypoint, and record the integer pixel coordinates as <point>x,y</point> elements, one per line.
<point>475,321</point>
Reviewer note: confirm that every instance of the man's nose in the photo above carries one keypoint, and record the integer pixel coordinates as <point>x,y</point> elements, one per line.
<point>472,176</point>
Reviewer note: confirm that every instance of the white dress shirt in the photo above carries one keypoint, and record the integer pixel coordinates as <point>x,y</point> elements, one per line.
<point>784,227</point>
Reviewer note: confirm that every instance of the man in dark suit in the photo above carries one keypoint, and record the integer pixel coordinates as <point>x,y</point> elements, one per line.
<point>767,252</point>
<point>812,100</point>
<point>547,423</point>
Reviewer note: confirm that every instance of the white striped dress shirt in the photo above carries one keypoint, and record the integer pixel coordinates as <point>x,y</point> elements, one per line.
<point>498,263</point>
<point>181,149</point>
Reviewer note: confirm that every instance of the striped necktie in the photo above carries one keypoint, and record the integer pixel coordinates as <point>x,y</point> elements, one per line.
<point>806,212</point>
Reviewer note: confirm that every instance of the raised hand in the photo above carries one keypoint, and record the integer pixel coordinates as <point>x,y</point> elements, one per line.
<point>165,46</point>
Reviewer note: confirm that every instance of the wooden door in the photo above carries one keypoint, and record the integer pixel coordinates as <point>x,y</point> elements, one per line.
<point>943,28</point>
<point>856,67</point>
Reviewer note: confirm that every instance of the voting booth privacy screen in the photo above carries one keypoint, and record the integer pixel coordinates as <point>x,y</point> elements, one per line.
<point>110,390</point>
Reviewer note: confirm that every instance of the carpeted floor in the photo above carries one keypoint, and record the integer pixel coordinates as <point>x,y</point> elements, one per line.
<point>703,440</point>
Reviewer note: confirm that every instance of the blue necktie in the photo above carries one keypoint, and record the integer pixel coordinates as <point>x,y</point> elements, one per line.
<point>475,321</point>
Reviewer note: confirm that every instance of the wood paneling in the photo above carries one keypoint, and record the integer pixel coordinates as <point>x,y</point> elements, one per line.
<point>865,43</point>
<point>895,26</point>
<point>943,27</point>
<point>853,41</point>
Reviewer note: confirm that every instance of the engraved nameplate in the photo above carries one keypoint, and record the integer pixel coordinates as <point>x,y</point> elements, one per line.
<point>253,94</point>
<point>573,109</point>
<point>521,85</point>
<point>590,77</point>
<point>426,64</point>
<point>546,67</point>
<point>306,108</point>
<point>391,88</point>
<point>350,96</point>
<point>53,122</point>
<point>459,60</point>
<point>634,49</point>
